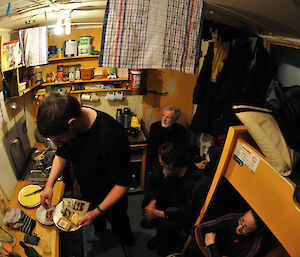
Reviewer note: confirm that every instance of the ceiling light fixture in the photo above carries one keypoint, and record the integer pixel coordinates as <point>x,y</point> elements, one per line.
<point>59,28</point>
<point>29,21</point>
<point>67,26</point>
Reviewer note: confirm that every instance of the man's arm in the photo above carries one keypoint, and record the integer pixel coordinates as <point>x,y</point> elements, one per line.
<point>113,196</point>
<point>58,165</point>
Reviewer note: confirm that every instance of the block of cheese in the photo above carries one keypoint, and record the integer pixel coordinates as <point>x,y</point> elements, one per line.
<point>75,219</point>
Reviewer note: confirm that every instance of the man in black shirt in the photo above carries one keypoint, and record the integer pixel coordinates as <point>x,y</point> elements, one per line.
<point>175,204</point>
<point>99,151</point>
<point>233,235</point>
<point>166,130</point>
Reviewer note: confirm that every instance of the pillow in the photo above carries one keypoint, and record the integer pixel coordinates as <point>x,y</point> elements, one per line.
<point>264,129</point>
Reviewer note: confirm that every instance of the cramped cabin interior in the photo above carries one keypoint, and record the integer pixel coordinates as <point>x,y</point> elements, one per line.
<point>231,67</point>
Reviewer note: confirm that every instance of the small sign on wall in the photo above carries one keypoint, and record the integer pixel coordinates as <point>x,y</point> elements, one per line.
<point>244,155</point>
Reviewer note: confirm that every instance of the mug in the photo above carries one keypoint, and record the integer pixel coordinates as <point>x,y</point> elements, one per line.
<point>110,96</point>
<point>119,96</point>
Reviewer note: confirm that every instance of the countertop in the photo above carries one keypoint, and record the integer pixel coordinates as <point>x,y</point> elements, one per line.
<point>50,234</point>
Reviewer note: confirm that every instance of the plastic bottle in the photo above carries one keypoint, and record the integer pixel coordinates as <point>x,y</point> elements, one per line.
<point>120,117</point>
<point>77,71</point>
<point>72,73</point>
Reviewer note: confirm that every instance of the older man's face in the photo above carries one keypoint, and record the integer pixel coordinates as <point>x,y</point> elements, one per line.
<point>168,119</point>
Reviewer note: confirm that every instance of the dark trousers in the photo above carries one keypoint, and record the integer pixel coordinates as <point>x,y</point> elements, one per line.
<point>117,217</point>
<point>170,235</point>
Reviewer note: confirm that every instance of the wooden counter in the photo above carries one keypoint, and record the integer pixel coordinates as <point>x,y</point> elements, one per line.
<point>50,234</point>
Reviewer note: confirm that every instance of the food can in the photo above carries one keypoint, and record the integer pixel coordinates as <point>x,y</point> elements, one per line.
<point>60,53</point>
<point>135,79</point>
<point>85,41</point>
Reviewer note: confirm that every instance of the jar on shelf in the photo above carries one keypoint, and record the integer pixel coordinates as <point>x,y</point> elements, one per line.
<point>49,77</point>
<point>72,73</point>
<point>60,73</point>
<point>77,71</point>
<point>66,73</point>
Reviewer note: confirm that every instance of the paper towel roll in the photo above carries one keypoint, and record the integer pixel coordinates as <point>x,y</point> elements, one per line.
<point>85,97</point>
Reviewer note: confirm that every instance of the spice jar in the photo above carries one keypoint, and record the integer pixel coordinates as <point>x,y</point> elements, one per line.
<point>66,73</point>
<point>77,71</point>
<point>49,77</point>
<point>60,73</point>
<point>72,73</point>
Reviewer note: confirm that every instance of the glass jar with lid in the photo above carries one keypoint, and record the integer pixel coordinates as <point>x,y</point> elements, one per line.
<point>66,73</point>
<point>72,73</point>
<point>77,71</point>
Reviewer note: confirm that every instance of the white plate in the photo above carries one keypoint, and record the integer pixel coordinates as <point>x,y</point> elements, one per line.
<point>26,190</point>
<point>41,216</point>
<point>57,215</point>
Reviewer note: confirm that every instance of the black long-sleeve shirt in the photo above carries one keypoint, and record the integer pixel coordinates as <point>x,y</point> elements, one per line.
<point>227,242</point>
<point>159,135</point>
<point>181,197</point>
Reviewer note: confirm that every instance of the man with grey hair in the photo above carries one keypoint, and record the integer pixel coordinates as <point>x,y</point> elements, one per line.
<point>166,130</point>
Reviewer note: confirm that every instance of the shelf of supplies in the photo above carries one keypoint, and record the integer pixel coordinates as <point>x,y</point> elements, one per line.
<point>12,67</point>
<point>29,89</point>
<point>84,81</point>
<point>73,57</point>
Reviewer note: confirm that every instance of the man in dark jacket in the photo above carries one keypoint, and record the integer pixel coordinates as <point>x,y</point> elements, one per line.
<point>175,204</point>
<point>233,235</point>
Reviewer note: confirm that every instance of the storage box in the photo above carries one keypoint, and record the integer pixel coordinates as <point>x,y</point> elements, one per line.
<point>87,73</point>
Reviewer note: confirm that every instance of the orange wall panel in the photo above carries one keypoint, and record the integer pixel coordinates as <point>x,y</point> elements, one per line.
<point>179,87</point>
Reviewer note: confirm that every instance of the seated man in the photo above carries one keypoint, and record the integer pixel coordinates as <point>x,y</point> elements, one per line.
<point>166,130</point>
<point>230,235</point>
<point>175,204</point>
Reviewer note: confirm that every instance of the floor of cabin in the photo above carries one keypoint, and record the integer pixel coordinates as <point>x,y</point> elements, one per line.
<point>84,243</point>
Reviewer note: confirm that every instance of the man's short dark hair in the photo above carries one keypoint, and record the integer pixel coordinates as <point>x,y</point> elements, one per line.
<point>172,154</point>
<point>54,113</point>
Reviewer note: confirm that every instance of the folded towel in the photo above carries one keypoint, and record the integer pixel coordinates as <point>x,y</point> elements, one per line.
<point>34,45</point>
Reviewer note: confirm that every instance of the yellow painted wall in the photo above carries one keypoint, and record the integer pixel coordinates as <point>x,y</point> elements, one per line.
<point>179,87</point>
<point>134,102</point>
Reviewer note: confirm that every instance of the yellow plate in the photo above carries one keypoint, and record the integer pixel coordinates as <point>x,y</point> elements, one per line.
<point>31,200</point>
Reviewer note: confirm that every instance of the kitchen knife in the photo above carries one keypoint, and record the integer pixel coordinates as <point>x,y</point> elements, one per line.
<point>36,191</point>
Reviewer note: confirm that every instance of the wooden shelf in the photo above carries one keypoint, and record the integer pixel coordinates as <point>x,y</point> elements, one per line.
<point>29,89</point>
<point>73,57</point>
<point>84,81</point>
<point>13,67</point>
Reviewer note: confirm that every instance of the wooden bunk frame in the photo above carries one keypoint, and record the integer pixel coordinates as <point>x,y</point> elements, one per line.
<point>267,192</point>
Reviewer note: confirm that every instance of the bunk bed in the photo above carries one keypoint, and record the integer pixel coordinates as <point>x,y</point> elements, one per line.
<point>267,192</point>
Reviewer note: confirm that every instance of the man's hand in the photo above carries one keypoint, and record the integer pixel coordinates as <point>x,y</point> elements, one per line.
<point>153,213</point>
<point>151,205</point>
<point>210,238</point>
<point>47,195</point>
<point>89,217</point>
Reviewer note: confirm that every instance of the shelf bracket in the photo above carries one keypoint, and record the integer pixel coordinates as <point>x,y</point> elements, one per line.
<point>156,92</point>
